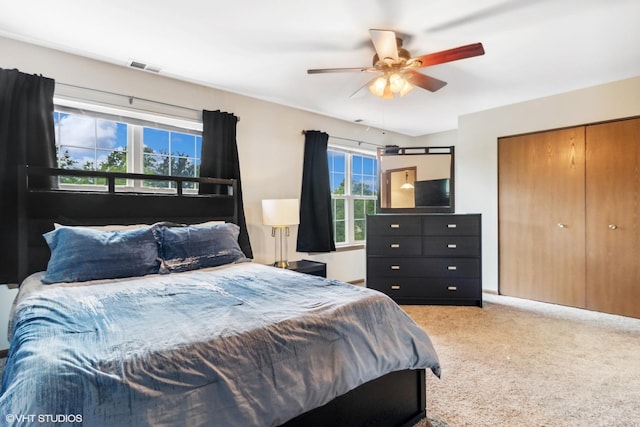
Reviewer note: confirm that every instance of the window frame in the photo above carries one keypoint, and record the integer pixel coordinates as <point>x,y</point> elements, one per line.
<point>136,123</point>
<point>350,198</point>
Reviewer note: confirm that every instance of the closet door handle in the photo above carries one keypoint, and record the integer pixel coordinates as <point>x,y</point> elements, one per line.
<point>612,226</point>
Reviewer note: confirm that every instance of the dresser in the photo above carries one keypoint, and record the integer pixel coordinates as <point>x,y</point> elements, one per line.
<point>425,258</point>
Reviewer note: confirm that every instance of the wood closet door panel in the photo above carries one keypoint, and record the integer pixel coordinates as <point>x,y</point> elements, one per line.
<point>613,217</point>
<point>541,216</point>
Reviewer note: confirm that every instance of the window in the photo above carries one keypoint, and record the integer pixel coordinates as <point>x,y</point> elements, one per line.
<point>170,153</point>
<point>89,143</point>
<point>98,142</point>
<point>354,190</point>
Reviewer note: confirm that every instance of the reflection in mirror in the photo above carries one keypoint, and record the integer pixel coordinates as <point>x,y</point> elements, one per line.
<point>416,179</point>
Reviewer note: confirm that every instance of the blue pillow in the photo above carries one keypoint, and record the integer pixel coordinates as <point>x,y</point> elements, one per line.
<point>80,253</point>
<point>193,247</point>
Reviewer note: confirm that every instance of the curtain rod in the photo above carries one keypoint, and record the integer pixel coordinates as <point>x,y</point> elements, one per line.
<point>351,139</point>
<point>131,98</point>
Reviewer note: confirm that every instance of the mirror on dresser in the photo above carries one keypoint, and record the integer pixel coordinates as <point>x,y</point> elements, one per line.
<point>416,179</point>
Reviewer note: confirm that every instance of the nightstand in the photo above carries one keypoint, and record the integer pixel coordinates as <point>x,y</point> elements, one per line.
<point>314,268</point>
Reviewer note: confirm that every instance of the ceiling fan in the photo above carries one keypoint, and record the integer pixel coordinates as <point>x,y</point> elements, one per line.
<point>399,69</point>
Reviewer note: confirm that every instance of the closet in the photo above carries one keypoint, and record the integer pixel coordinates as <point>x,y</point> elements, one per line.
<point>569,216</point>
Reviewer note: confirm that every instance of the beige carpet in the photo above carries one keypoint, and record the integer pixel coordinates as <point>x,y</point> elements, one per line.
<point>523,363</point>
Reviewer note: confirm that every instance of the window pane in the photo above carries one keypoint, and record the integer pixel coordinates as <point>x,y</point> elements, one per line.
<point>337,171</point>
<point>356,185</point>
<point>112,161</point>
<point>183,145</point>
<point>338,209</point>
<point>77,131</point>
<point>198,148</point>
<point>182,166</point>
<point>359,229</point>
<point>368,164</point>
<point>337,183</point>
<point>370,207</point>
<point>110,135</point>
<point>156,164</point>
<point>356,164</point>
<point>369,186</point>
<point>155,140</point>
<point>358,209</point>
<point>340,233</point>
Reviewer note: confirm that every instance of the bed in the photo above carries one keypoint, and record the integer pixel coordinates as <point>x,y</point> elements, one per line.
<point>204,340</point>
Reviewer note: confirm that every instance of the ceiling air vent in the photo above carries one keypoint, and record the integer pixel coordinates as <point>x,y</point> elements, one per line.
<point>142,66</point>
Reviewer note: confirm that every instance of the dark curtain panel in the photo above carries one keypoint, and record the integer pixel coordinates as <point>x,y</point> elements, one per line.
<point>26,137</point>
<point>219,159</point>
<point>315,232</point>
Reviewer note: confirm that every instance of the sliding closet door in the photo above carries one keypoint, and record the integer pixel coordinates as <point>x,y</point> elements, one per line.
<point>541,216</point>
<point>613,217</point>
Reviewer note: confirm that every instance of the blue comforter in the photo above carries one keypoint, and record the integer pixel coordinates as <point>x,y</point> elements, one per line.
<point>242,345</point>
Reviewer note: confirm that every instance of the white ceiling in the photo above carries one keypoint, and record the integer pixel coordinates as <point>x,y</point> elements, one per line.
<point>262,49</point>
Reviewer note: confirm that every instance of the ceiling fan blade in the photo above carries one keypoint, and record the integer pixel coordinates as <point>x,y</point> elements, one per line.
<point>341,70</point>
<point>425,82</point>
<point>449,55</point>
<point>385,43</point>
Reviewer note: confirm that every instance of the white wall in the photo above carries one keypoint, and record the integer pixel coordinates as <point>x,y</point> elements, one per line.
<point>270,142</point>
<point>477,148</point>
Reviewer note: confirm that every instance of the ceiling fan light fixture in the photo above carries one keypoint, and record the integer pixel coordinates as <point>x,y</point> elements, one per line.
<point>396,82</point>
<point>406,88</point>
<point>387,94</point>
<point>377,87</point>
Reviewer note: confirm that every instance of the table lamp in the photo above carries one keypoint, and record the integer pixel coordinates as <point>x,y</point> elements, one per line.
<point>280,214</point>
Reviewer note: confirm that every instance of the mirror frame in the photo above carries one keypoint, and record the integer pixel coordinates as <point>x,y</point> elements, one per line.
<point>394,150</point>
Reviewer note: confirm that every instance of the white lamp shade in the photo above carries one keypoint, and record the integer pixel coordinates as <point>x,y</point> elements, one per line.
<point>280,212</point>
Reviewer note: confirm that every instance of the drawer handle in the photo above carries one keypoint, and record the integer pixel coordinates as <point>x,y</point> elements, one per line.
<point>395,267</point>
<point>452,225</point>
<point>452,267</point>
<point>452,288</point>
<point>452,246</point>
<point>395,226</point>
<point>395,245</point>
<point>395,287</point>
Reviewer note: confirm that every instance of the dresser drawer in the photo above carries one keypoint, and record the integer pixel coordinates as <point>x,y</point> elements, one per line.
<point>394,245</point>
<point>422,267</point>
<point>394,225</point>
<point>451,225</point>
<point>415,287</point>
<point>451,246</point>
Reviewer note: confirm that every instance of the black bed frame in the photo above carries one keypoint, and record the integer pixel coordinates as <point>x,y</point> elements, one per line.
<point>395,399</point>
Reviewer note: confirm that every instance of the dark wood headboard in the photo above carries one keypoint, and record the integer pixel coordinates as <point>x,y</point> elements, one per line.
<point>40,208</point>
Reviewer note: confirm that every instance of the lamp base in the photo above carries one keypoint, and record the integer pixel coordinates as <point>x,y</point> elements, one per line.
<point>281,264</point>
